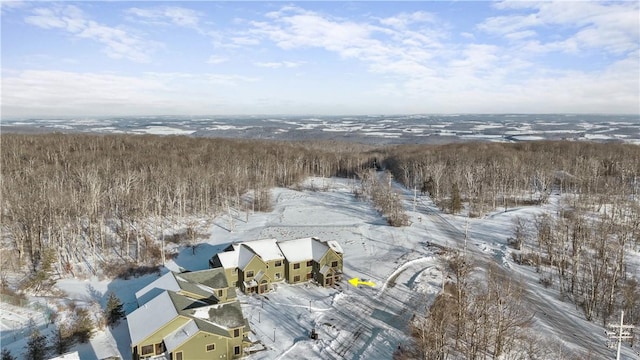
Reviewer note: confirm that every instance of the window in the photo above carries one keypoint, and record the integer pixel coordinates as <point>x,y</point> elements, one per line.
<point>278,263</point>
<point>334,264</point>
<point>236,332</point>
<point>309,263</point>
<point>309,276</point>
<point>220,293</point>
<point>296,278</point>
<point>296,266</point>
<point>146,350</point>
<point>178,356</point>
<point>159,348</point>
<point>278,276</point>
<point>250,273</point>
<point>236,350</point>
<point>211,347</point>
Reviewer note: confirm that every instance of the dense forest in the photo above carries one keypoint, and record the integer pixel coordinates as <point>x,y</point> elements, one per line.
<point>65,196</point>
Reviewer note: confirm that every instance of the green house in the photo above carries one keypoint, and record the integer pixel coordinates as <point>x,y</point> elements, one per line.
<point>254,266</point>
<point>190,315</point>
<point>312,259</point>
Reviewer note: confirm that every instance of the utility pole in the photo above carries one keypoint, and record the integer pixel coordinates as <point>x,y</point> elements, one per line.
<point>621,332</point>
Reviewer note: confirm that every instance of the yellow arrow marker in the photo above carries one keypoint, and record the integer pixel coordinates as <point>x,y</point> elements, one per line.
<point>356,281</point>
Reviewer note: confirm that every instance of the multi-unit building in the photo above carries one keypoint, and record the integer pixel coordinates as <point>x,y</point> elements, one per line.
<point>192,315</point>
<point>195,315</point>
<point>254,266</point>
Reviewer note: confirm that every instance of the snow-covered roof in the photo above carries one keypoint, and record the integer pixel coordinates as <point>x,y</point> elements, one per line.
<point>229,259</point>
<point>325,269</point>
<point>68,356</point>
<point>181,335</point>
<point>226,316</point>
<point>149,317</point>
<point>212,278</point>
<point>303,249</point>
<point>164,282</point>
<point>267,249</point>
<point>318,248</point>
<point>259,276</point>
<point>245,255</point>
<point>335,246</point>
<point>297,250</point>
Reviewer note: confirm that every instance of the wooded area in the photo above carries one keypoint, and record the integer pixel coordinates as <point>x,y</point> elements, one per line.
<point>62,193</point>
<point>66,198</point>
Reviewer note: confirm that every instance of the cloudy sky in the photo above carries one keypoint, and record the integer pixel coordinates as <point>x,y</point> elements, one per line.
<point>195,58</point>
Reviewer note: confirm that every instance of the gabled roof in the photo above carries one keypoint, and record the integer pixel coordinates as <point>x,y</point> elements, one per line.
<point>335,246</point>
<point>245,255</point>
<point>68,356</point>
<point>213,278</point>
<point>325,269</point>
<point>267,249</point>
<point>188,282</point>
<point>151,316</point>
<point>261,274</point>
<point>227,316</point>
<point>303,249</point>
<point>182,334</point>
<point>215,319</point>
<point>164,282</point>
<point>228,259</point>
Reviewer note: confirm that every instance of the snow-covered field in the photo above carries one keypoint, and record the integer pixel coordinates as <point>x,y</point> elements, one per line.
<point>351,323</point>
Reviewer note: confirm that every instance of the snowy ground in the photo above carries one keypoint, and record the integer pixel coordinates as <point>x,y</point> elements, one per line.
<point>351,323</point>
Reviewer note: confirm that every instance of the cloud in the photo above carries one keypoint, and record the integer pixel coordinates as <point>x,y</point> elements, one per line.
<point>166,15</point>
<point>215,60</point>
<point>405,19</point>
<point>226,79</point>
<point>118,43</point>
<point>7,6</point>
<point>71,92</point>
<point>54,93</point>
<point>280,64</point>
<point>382,47</point>
<point>611,26</point>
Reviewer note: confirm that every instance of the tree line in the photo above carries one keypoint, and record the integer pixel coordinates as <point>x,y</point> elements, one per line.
<point>104,200</point>
<point>489,176</point>
<point>78,198</point>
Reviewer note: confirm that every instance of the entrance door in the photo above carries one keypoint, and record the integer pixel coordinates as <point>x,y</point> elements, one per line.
<point>264,286</point>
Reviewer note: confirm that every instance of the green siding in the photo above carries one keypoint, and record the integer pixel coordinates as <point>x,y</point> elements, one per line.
<point>255,264</point>
<point>196,347</point>
<point>232,276</point>
<point>157,336</point>
<point>302,272</point>
<point>272,269</point>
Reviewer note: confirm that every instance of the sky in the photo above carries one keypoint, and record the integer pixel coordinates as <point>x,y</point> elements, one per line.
<point>115,58</point>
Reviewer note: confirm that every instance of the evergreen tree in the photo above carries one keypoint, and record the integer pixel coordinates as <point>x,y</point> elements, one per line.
<point>113,311</point>
<point>456,201</point>
<point>83,325</point>
<point>6,355</point>
<point>37,344</point>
